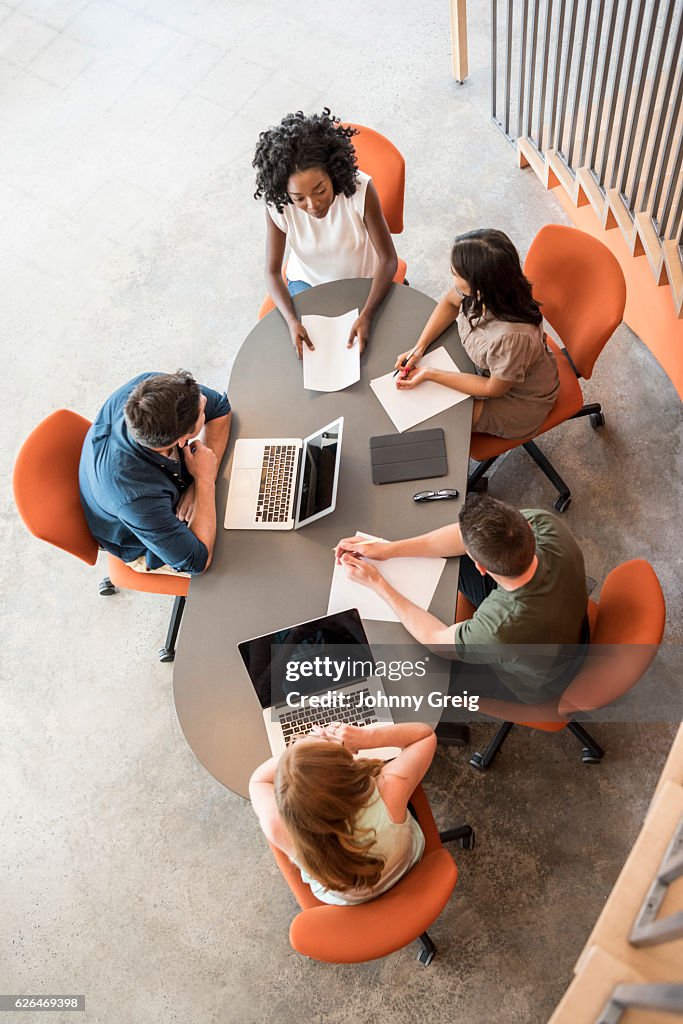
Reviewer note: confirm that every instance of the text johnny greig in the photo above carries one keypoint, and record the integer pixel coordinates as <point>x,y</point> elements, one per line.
<point>326,669</point>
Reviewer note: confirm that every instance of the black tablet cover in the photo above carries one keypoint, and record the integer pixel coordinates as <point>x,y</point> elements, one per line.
<point>412,456</point>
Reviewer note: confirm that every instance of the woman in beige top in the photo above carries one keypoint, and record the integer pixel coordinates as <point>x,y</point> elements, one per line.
<point>344,820</point>
<point>501,328</point>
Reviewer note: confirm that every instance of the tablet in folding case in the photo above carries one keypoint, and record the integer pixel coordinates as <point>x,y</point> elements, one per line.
<point>410,456</point>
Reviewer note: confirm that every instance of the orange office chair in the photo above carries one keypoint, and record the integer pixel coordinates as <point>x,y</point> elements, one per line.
<point>384,163</point>
<point>47,497</point>
<point>368,931</point>
<point>582,293</point>
<point>629,622</point>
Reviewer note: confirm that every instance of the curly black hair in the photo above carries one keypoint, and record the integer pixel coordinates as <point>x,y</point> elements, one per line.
<point>298,143</point>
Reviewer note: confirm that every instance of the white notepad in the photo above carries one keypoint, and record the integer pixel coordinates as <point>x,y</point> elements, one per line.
<point>332,365</point>
<point>415,578</point>
<point>408,408</point>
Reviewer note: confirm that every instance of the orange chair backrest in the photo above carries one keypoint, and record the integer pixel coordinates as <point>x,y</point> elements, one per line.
<point>45,484</point>
<point>581,289</point>
<point>364,932</point>
<point>369,930</point>
<point>384,163</point>
<point>629,625</point>
<point>631,608</point>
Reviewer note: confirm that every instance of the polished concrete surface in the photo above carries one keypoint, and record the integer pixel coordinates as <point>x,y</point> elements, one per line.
<point>129,240</point>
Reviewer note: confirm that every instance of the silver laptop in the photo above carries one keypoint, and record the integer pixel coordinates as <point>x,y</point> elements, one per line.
<point>284,483</point>
<point>277,664</point>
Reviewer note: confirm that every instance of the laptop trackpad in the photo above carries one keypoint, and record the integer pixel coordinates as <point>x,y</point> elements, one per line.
<point>244,482</point>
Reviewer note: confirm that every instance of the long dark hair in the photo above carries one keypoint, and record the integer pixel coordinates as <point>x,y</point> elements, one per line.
<point>489,262</point>
<point>298,143</point>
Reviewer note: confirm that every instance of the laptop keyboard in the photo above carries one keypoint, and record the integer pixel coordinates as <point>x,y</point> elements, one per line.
<point>277,474</point>
<point>300,721</point>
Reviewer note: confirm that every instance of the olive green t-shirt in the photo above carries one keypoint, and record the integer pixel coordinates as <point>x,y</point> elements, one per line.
<point>520,633</point>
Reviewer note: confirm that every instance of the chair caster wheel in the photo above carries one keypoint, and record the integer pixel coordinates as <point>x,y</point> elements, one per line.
<point>467,842</point>
<point>165,655</point>
<point>426,956</point>
<point>597,419</point>
<point>477,761</point>
<point>589,758</point>
<point>107,588</point>
<point>406,283</point>
<point>563,502</point>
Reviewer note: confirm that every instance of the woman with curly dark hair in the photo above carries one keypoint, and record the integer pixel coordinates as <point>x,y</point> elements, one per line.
<point>501,328</point>
<point>328,211</point>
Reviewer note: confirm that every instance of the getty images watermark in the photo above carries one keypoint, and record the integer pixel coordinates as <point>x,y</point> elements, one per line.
<point>338,671</point>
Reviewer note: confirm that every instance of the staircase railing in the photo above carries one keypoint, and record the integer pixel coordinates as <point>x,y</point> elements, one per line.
<point>591,94</point>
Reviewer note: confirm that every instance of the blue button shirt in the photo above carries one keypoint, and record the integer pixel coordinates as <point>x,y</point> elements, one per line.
<point>129,493</point>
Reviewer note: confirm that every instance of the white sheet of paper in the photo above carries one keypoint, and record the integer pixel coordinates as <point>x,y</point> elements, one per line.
<point>415,578</point>
<point>331,366</point>
<point>408,408</point>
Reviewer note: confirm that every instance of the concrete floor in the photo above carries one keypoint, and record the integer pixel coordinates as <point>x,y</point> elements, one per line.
<point>129,240</point>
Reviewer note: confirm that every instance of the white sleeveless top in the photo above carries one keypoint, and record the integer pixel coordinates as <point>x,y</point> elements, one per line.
<point>336,247</point>
<point>400,843</point>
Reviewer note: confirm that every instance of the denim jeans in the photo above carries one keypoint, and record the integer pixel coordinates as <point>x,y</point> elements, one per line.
<point>297,286</point>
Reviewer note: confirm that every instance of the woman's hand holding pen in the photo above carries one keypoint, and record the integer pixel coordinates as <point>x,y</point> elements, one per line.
<point>406,362</point>
<point>412,378</point>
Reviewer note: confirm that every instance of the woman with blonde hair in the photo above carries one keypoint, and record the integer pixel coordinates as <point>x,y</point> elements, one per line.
<point>344,820</point>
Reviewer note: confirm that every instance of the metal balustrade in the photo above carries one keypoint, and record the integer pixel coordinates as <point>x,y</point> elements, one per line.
<point>591,94</point>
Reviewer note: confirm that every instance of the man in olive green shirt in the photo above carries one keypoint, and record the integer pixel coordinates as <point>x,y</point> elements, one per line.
<point>524,573</point>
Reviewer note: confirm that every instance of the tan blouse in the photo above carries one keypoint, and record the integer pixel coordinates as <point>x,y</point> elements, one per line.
<point>518,353</point>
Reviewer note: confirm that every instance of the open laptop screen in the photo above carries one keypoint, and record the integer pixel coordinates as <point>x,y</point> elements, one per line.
<point>275,662</point>
<point>320,460</point>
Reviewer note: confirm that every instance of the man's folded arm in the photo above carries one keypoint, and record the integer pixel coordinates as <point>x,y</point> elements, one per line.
<point>158,529</point>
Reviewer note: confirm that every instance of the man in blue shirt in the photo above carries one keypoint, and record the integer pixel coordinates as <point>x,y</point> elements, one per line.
<point>147,486</point>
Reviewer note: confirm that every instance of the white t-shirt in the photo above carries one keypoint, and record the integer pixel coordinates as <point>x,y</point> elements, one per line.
<point>331,249</point>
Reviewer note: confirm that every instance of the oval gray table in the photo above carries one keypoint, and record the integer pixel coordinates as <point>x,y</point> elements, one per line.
<point>261,581</point>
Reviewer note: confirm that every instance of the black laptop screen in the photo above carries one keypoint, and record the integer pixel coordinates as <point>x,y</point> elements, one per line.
<point>335,646</point>
<point>319,460</point>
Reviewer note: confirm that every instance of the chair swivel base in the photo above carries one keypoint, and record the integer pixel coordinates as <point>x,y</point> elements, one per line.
<point>426,954</point>
<point>481,761</point>
<point>591,751</point>
<point>476,481</point>
<point>167,652</point>
<point>464,836</point>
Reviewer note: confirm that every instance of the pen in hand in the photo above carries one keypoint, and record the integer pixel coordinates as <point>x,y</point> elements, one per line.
<point>404,362</point>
